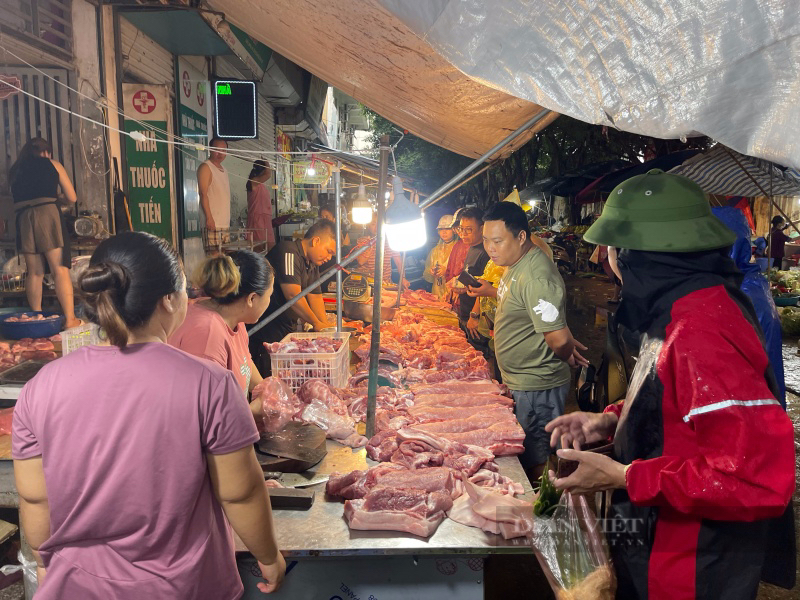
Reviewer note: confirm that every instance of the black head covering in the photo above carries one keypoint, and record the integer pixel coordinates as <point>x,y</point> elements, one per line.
<point>653,281</point>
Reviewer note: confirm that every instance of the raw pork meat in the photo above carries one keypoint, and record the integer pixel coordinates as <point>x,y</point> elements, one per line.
<point>499,483</point>
<point>426,413</point>
<point>361,377</point>
<point>356,484</point>
<point>6,415</point>
<point>439,375</point>
<point>27,318</point>
<point>382,445</point>
<point>341,428</point>
<point>305,345</point>
<point>388,475</point>
<point>478,420</point>
<point>316,389</point>
<point>493,512</point>
<point>278,405</point>
<point>458,387</point>
<point>466,459</point>
<point>409,510</point>
<point>502,439</point>
<point>461,400</point>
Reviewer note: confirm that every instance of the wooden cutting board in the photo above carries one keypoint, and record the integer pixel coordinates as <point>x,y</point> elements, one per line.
<point>296,448</point>
<point>5,447</point>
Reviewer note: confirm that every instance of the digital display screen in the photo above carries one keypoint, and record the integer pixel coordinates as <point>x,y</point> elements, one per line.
<point>236,106</point>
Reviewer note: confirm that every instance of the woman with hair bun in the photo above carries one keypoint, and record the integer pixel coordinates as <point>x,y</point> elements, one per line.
<point>237,287</point>
<point>128,458</point>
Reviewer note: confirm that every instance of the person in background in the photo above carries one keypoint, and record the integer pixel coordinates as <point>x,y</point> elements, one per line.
<point>259,205</point>
<point>534,345</point>
<point>35,180</point>
<point>777,242</point>
<point>756,286</point>
<point>365,262</point>
<point>296,266</point>
<point>458,254</point>
<point>468,307</point>
<point>326,211</point>
<point>215,193</point>
<point>237,288</point>
<point>704,457</point>
<point>436,263</point>
<point>134,502</point>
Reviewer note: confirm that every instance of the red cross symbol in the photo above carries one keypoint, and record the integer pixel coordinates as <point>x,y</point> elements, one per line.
<point>144,102</point>
<point>187,85</point>
<point>201,94</point>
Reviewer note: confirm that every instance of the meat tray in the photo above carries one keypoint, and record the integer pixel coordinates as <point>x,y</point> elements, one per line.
<point>295,368</point>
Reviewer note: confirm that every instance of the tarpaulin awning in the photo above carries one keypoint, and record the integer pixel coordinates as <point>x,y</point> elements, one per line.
<point>601,187</point>
<point>727,69</point>
<point>717,172</point>
<point>368,53</point>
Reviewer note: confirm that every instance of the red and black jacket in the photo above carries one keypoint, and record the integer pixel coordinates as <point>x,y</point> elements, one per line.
<point>711,453</point>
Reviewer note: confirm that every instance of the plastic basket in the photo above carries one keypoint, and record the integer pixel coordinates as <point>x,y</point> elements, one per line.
<point>295,368</point>
<point>77,337</point>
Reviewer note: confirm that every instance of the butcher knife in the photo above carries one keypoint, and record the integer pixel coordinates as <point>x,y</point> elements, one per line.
<point>302,480</point>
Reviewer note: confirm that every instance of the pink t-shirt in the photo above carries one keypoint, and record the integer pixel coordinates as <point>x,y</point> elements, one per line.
<point>123,436</point>
<point>205,333</point>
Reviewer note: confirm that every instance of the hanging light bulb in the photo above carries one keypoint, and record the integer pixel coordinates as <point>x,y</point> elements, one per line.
<point>311,171</point>
<point>362,209</point>
<point>405,223</point>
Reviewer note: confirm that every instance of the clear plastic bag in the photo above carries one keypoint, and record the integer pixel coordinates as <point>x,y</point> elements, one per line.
<point>573,553</point>
<point>28,568</point>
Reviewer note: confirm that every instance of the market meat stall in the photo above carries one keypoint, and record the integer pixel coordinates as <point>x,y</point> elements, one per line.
<point>443,429</point>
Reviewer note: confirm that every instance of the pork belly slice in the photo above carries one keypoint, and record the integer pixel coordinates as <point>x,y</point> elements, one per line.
<point>412,511</point>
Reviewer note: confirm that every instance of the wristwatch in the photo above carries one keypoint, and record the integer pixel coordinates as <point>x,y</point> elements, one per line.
<point>475,315</point>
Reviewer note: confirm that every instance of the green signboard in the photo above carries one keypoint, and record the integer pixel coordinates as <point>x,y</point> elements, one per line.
<point>149,180</point>
<point>192,108</point>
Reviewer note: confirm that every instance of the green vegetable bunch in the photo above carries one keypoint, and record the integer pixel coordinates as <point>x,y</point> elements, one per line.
<point>790,321</point>
<point>547,500</point>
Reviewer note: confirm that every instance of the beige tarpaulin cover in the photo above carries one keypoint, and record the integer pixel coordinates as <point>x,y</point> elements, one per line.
<point>360,48</point>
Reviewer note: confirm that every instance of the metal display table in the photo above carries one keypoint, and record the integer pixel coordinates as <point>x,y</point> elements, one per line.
<point>322,530</point>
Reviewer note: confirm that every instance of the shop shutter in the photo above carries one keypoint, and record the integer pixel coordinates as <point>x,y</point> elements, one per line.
<point>143,60</point>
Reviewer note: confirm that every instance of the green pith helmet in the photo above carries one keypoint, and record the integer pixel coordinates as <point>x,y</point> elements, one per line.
<point>659,212</point>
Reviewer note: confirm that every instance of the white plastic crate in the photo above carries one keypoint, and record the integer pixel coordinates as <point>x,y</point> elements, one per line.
<point>87,334</point>
<point>295,368</point>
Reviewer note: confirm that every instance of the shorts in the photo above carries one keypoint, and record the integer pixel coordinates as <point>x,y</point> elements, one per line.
<point>215,238</point>
<point>39,229</point>
<point>534,410</point>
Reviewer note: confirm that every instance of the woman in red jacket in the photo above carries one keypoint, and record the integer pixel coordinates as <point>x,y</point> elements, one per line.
<point>704,451</point>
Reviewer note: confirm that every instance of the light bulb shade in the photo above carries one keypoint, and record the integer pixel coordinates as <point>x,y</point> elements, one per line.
<point>362,215</point>
<point>362,209</point>
<point>403,237</point>
<point>404,222</point>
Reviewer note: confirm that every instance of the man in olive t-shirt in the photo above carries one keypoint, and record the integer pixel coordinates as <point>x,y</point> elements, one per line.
<point>534,346</point>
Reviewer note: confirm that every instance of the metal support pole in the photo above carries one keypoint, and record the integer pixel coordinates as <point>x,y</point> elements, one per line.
<point>400,287</point>
<point>437,195</point>
<point>337,178</point>
<point>303,293</point>
<point>375,344</point>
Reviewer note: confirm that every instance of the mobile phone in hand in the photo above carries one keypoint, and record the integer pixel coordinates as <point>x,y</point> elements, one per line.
<point>468,279</point>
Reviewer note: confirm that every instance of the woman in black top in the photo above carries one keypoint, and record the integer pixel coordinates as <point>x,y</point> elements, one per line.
<point>35,181</point>
<point>778,241</point>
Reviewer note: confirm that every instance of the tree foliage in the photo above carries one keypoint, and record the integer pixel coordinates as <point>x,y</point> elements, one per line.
<point>563,147</point>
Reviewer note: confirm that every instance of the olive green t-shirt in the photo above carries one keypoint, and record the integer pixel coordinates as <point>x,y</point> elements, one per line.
<point>530,302</point>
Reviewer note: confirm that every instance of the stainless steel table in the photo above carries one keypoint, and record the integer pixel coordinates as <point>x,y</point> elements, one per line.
<point>323,531</point>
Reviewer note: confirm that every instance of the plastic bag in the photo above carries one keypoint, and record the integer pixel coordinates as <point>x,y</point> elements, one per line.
<point>278,404</point>
<point>28,568</point>
<point>572,552</point>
